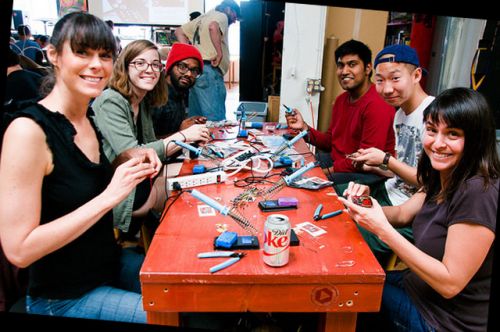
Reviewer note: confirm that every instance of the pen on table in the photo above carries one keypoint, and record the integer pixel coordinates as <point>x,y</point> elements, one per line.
<point>331,214</point>
<point>317,212</point>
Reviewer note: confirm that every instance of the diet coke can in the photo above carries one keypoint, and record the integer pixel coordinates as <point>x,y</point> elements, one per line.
<point>276,240</point>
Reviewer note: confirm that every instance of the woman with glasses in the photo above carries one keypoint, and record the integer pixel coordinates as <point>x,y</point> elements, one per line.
<point>123,115</point>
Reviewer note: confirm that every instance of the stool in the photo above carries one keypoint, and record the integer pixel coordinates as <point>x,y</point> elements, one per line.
<point>395,264</point>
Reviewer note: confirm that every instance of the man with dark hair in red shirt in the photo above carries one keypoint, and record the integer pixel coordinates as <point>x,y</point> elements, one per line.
<point>360,117</point>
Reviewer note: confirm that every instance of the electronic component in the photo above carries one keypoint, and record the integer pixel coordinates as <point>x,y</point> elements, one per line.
<point>225,211</point>
<point>364,201</point>
<point>284,161</point>
<point>288,201</point>
<point>196,180</point>
<point>242,242</point>
<point>198,169</point>
<point>226,239</point>
<point>273,206</point>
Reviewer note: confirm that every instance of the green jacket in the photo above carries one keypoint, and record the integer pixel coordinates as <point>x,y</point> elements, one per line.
<point>114,119</point>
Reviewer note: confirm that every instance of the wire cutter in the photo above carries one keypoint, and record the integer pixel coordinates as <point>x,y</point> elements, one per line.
<point>235,256</point>
<point>317,213</point>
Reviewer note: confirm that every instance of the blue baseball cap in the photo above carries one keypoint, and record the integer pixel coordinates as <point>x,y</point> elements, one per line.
<point>399,53</point>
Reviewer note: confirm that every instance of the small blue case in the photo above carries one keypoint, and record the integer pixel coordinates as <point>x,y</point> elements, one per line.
<point>198,169</point>
<point>226,239</point>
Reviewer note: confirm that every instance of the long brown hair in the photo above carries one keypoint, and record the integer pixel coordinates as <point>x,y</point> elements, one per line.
<point>120,79</point>
<point>468,110</point>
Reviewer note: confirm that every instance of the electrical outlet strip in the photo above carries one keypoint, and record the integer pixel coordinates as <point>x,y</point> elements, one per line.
<point>196,180</point>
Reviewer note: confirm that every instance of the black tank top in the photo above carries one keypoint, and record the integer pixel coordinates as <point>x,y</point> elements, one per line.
<point>92,259</point>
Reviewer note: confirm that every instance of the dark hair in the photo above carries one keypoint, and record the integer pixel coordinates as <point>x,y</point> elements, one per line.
<point>468,110</point>
<point>12,58</point>
<point>83,31</point>
<point>23,30</point>
<point>43,38</point>
<point>355,47</point>
<point>120,78</point>
<point>194,15</point>
<point>231,4</point>
<point>110,23</point>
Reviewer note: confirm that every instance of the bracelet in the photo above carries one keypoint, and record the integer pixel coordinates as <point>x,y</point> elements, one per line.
<point>185,139</point>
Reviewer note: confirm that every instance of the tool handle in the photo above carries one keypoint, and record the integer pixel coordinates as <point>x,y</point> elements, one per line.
<point>223,265</point>
<point>189,147</point>
<point>209,201</point>
<point>289,178</point>
<point>294,140</point>
<point>331,214</point>
<point>212,254</point>
<point>318,211</point>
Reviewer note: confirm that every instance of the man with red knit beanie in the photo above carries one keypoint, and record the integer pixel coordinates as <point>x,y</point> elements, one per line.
<point>184,66</point>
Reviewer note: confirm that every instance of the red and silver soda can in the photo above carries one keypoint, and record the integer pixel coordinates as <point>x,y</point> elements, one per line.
<point>276,240</point>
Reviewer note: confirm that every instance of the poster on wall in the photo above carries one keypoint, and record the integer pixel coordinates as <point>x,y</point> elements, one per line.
<point>141,11</point>
<point>67,6</point>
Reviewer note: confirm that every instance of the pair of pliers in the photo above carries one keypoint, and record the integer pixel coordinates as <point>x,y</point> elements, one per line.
<point>317,213</point>
<point>235,256</point>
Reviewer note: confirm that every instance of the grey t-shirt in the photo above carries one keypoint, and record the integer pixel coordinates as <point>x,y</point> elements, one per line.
<point>468,310</point>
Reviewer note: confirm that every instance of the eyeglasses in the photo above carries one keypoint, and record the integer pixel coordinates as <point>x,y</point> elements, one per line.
<point>183,69</point>
<point>142,65</point>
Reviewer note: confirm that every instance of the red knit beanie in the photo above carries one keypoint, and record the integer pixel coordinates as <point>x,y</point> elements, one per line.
<point>180,52</point>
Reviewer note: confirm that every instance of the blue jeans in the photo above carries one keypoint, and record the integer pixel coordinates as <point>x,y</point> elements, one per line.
<point>208,96</point>
<point>398,308</point>
<point>119,302</point>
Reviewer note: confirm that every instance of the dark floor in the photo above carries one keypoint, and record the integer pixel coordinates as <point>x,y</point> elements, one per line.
<point>252,322</point>
<point>273,322</point>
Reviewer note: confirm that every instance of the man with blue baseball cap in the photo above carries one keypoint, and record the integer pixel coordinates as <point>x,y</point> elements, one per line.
<point>399,53</point>
<point>397,81</point>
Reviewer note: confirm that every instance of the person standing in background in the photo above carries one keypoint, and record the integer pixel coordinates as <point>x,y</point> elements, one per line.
<point>21,84</point>
<point>209,33</point>
<point>26,46</point>
<point>111,24</point>
<point>194,15</point>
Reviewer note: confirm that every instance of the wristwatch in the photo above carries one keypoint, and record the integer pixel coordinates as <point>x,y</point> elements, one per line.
<point>385,164</point>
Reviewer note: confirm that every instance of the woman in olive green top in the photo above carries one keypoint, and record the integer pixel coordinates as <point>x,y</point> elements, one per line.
<point>123,115</point>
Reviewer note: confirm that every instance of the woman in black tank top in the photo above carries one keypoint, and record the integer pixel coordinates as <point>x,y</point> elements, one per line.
<point>57,188</point>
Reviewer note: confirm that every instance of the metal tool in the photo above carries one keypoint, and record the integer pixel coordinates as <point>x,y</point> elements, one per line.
<point>288,110</point>
<point>330,215</point>
<point>317,212</point>
<point>286,180</point>
<point>196,151</point>
<point>318,216</point>
<point>226,211</point>
<point>235,256</point>
<point>288,144</point>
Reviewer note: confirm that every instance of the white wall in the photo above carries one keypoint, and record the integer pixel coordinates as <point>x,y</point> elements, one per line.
<point>154,12</point>
<point>303,40</point>
<point>453,35</point>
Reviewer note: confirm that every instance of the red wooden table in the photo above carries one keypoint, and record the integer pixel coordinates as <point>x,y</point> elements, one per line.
<point>335,273</point>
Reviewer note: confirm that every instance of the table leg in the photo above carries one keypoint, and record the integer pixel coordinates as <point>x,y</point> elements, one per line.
<point>338,322</point>
<point>163,318</point>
